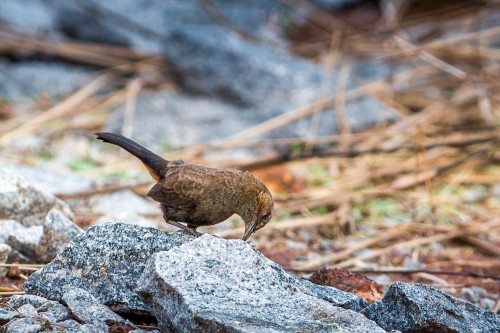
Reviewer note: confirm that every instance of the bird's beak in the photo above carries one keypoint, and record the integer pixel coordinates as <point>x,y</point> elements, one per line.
<point>249,229</point>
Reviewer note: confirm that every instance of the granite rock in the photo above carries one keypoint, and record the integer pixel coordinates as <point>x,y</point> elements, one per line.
<point>58,231</point>
<point>86,308</point>
<point>54,312</point>
<point>27,310</point>
<point>421,308</point>
<point>213,285</point>
<point>25,203</point>
<point>5,251</point>
<point>7,315</point>
<point>26,325</point>
<point>106,261</point>
<point>17,301</point>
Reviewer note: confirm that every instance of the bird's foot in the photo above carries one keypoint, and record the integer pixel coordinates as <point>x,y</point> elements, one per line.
<point>191,230</point>
<point>194,232</point>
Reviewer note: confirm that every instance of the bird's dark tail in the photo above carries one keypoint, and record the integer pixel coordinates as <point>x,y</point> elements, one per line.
<point>154,163</point>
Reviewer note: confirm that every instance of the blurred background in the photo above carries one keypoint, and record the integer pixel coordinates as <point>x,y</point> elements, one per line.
<point>374,123</point>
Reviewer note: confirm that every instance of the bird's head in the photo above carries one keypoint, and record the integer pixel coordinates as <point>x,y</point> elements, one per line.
<point>261,214</point>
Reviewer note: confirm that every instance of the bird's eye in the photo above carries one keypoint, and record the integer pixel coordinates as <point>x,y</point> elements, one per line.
<point>265,216</point>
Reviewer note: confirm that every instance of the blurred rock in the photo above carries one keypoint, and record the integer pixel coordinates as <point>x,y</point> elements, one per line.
<point>26,325</point>
<point>27,310</point>
<point>123,202</point>
<point>25,203</point>
<point>473,293</point>
<point>17,301</point>
<point>25,241</point>
<point>30,79</point>
<point>488,303</point>
<point>53,312</point>
<point>9,228</point>
<point>6,316</point>
<point>243,78</point>
<point>30,14</point>
<point>49,180</point>
<point>106,261</point>
<point>87,309</point>
<point>215,62</point>
<point>35,224</point>
<point>420,308</point>
<point>210,285</point>
<point>58,231</point>
<point>191,119</point>
<point>78,22</point>
<point>5,251</point>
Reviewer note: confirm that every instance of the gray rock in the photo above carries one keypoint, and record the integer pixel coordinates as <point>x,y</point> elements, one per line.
<point>21,201</point>
<point>95,327</point>
<point>37,243</point>
<point>70,323</point>
<point>30,14</point>
<point>487,303</point>
<point>9,228</point>
<point>195,119</point>
<point>27,310</point>
<point>79,23</point>
<point>7,315</point>
<point>125,202</point>
<point>87,308</point>
<point>58,231</point>
<point>233,66</point>
<point>473,294</point>
<point>26,240</point>
<point>144,331</point>
<point>5,251</point>
<point>107,261</point>
<point>53,312</point>
<point>50,180</point>
<point>30,79</point>
<point>17,301</point>
<point>213,285</point>
<point>420,308</point>
<point>26,325</point>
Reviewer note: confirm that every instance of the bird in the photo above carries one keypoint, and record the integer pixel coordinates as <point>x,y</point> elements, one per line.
<point>191,195</point>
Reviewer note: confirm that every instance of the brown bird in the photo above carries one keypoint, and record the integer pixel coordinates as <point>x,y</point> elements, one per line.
<point>198,195</point>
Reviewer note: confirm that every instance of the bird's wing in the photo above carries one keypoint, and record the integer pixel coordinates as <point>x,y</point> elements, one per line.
<point>180,190</point>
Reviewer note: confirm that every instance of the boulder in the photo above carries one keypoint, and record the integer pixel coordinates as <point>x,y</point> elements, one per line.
<point>421,308</point>
<point>216,285</point>
<point>25,203</point>
<point>106,261</point>
<point>58,231</point>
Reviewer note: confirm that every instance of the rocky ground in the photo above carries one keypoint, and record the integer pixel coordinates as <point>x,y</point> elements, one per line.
<point>118,277</point>
<point>374,124</point>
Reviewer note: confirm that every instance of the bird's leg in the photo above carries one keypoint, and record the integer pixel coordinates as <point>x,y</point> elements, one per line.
<point>192,229</point>
<point>188,228</point>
